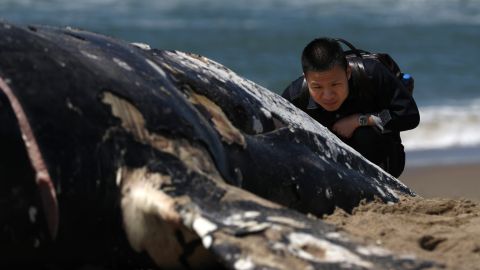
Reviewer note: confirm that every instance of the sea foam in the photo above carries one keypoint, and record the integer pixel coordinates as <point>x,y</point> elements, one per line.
<point>444,126</point>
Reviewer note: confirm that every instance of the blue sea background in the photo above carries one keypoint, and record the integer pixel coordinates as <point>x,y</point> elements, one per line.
<point>437,41</point>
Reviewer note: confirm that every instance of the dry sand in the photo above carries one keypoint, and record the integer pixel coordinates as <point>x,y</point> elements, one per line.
<point>445,230</point>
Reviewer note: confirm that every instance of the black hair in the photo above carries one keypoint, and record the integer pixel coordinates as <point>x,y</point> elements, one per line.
<point>322,54</point>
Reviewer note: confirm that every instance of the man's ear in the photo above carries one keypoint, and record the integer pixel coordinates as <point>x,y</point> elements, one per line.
<point>349,72</point>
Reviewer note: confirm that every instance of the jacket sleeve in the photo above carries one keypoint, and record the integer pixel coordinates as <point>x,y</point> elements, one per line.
<point>293,90</point>
<point>297,93</point>
<point>286,93</point>
<point>398,110</point>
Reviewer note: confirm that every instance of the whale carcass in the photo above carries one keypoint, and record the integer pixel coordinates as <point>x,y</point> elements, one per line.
<point>109,149</point>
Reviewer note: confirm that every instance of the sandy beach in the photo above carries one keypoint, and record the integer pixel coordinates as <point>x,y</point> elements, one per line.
<point>446,181</point>
<point>441,225</point>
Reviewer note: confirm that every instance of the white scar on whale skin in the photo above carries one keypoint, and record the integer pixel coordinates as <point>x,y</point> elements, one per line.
<point>319,250</point>
<point>122,64</point>
<point>142,46</point>
<point>156,68</point>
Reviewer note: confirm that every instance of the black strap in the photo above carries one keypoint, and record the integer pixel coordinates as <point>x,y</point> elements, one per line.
<point>359,74</point>
<point>350,46</point>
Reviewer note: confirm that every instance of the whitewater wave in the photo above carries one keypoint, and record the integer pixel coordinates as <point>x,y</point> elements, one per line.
<point>445,126</point>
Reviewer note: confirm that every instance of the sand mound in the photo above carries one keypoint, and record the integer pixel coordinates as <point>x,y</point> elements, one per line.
<point>444,230</point>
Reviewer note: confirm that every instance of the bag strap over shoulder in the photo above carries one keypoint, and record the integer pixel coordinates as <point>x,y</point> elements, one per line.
<point>350,46</point>
<point>353,50</point>
<point>355,59</point>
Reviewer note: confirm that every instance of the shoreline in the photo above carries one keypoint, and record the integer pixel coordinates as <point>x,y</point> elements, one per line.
<point>442,156</point>
<point>446,173</point>
<point>444,180</point>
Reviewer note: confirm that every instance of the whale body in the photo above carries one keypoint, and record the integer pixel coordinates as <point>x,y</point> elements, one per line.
<point>120,155</point>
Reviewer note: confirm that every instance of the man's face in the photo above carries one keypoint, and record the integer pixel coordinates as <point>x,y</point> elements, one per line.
<point>329,88</point>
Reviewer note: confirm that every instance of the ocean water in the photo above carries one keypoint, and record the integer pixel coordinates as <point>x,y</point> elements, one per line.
<point>437,41</point>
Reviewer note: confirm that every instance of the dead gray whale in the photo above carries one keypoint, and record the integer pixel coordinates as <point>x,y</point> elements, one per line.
<point>110,149</point>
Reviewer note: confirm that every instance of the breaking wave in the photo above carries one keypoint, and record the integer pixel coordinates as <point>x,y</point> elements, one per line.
<point>446,126</point>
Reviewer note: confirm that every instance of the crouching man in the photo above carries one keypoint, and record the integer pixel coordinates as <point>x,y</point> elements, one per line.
<point>369,119</point>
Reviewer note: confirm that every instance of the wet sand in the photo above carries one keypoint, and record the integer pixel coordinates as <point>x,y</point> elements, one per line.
<point>452,181</point>
<point>443,225</point>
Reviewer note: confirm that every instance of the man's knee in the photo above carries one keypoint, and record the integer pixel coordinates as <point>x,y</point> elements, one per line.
<point>379,149</point>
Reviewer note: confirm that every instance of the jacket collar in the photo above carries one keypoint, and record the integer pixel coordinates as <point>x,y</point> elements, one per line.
<point>312,105</point>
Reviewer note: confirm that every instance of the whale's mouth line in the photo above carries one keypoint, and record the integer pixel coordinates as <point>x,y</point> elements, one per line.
<point>42,177</point>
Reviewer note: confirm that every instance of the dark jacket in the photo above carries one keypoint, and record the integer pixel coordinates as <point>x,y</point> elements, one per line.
<point>385,97</point>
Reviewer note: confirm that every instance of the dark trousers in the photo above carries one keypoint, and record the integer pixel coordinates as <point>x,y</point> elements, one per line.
<point>382,149</point>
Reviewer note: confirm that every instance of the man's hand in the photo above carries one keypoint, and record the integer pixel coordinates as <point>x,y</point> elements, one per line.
<point>346,126</point>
